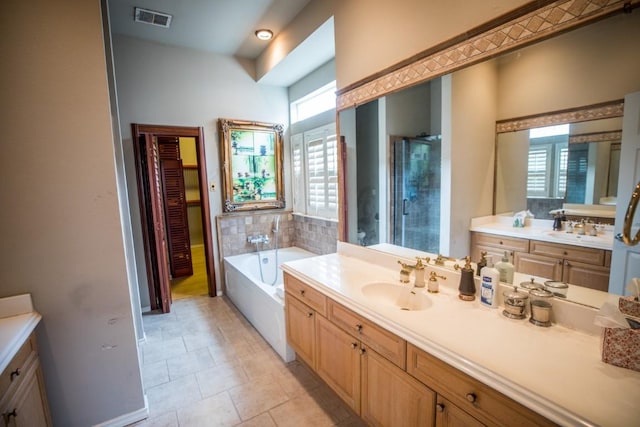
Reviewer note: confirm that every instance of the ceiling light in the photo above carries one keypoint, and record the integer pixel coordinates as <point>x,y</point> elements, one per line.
<point>264,34</point>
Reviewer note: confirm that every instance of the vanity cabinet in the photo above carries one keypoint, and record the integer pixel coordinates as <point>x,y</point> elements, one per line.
<point>568,263</point>
<point>462,398</point>
<point>495,246</point>
<point>22,397</point>
<point>577,265</point>
<point>361,362</point>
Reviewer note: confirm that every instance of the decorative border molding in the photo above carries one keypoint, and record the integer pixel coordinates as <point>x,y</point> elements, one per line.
<point>522,30</point>
<point>592,112</point>
<point>612,136</point>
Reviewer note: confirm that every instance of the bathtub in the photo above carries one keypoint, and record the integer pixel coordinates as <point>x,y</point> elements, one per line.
<point>261,303</point>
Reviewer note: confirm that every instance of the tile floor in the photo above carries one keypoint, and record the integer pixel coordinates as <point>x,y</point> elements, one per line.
<point>205,365</point>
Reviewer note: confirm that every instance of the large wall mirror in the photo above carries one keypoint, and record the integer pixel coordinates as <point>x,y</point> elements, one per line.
<point>391,140</point>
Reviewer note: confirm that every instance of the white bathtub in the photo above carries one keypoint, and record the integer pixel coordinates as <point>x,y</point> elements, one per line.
<point>259,301</point>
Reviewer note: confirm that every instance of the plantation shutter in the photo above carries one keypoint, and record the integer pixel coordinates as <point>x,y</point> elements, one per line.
<point>297,163</point>
<point>537,181</point>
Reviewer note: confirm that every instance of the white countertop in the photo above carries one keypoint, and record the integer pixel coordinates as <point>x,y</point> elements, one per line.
<point>554,371</point>
<point>541,230</point>
<point>17,321</point>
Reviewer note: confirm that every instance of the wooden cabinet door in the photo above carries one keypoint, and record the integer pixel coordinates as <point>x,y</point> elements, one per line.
<point>338,361</point>
<point>301,329</point>
<point>390,397</point>
<point>28,407</point>
<point>589,276</point>
<point>538,265</point>
<point>175,207</point>
<point>449,415</point>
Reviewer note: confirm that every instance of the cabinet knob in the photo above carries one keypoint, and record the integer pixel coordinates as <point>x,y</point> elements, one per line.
<point>358,327</point>
<point>362,351</point>
<point>15,373</point>
<point>471,397</point>
<point>309,314</point>
<point>564,252</point>
<point>354,345</point>
<point>501,242</point>
<point>302,292</point>
<point>440,407</point>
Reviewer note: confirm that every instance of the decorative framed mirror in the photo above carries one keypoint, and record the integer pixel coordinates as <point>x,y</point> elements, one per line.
<point>251,158</point>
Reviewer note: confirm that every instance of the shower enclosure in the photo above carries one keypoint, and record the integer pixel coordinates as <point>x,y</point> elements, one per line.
<point>415,192</point>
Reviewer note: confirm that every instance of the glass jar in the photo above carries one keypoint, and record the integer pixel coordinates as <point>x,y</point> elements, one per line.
<point>515,304</point>
<point>541,305</point>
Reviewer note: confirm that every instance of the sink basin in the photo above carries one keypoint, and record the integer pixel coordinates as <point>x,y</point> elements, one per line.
<point>574,237</point>
<point>397,296</point>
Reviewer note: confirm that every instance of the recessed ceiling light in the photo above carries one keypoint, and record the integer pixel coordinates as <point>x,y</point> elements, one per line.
<point>264,34</point>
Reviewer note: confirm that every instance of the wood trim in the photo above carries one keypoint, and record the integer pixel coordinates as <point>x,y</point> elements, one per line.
<point>529,24</point>
<point>343,223</point>
<point>198,134</point>
<point>603,110</point>
<point>611,136</point>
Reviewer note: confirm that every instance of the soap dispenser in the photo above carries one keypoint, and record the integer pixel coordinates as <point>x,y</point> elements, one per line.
<point>506,269</point>
<point>467,286</point>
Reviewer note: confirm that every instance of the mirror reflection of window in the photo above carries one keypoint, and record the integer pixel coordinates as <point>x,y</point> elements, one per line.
<point>547,168</point>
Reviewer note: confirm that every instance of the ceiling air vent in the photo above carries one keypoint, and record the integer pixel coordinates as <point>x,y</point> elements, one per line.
<point>152,17</point>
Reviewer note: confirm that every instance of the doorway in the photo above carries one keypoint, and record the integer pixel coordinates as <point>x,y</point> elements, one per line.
<point>175,217</point>
<point>415,192</point>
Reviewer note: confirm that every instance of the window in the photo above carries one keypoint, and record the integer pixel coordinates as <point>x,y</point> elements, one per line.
<point>318,101</point>
<point>314,158</point>
<point>547,163</point>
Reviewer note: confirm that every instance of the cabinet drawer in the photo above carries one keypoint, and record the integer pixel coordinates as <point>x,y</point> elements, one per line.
<point>306,294</point>
<point>385,343</point>
<point>16,368</point>
<point>469,394</point>
<point>569,252</point>
<point>511,244</point>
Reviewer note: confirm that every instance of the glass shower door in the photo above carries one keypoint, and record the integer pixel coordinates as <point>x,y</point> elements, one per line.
<point>416,193</point>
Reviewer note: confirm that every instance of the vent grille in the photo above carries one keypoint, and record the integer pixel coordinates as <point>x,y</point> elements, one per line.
<point>152,17</point>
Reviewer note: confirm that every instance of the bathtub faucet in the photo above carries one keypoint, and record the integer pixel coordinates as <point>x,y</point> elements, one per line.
<point>260,238</point>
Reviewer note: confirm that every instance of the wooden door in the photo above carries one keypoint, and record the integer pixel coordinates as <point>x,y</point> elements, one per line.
<point>390,397</point>
<point>157,224</point>
<point>625,261</point>
<point>175,209</point>
<point>301,330</point>
<point>338,361</point>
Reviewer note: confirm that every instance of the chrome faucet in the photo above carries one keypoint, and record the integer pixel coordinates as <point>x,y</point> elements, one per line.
<point>260,238</point>
<point>417,269</point>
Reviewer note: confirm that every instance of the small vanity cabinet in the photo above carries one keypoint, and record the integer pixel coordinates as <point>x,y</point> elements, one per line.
<point>22,397</point>
<point>577,265</point>
<point>342,348</point>
<point>382,377</point>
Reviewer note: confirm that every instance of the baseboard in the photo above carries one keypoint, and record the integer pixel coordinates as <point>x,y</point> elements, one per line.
<point>127,419</point>
<point>146,309</point>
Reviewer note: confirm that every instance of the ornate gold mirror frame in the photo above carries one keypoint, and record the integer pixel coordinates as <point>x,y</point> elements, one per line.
<point>251,158</point>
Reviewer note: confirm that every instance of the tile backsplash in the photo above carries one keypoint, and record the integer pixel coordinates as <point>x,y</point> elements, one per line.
<point>313,234</point>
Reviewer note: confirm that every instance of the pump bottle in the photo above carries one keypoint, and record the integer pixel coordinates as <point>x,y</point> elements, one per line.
<point>489,280</point>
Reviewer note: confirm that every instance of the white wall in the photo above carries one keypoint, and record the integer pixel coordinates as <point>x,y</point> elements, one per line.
<point>163,85</point>
<point>62,238</point>
<point>372,35</point>
<point>469,144</point>
<point>596,63</point>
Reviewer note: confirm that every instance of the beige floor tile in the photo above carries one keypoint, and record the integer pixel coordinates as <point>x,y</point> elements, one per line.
<point>301,411</point>
<point>221,378</point>
<point>173,395</point>
<point>154,374</point>
<point>162,350</point>
<point>262,420</point>
<point>202,339</point>
<point>257,396</point>
<point>189,363</point>
<point>217,410</point>
<point>169,419</point>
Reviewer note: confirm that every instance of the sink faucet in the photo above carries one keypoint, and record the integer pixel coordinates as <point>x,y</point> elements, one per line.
<point>418,269</point>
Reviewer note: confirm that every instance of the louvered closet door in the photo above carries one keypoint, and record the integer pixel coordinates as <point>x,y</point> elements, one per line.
<point>176,218</point>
